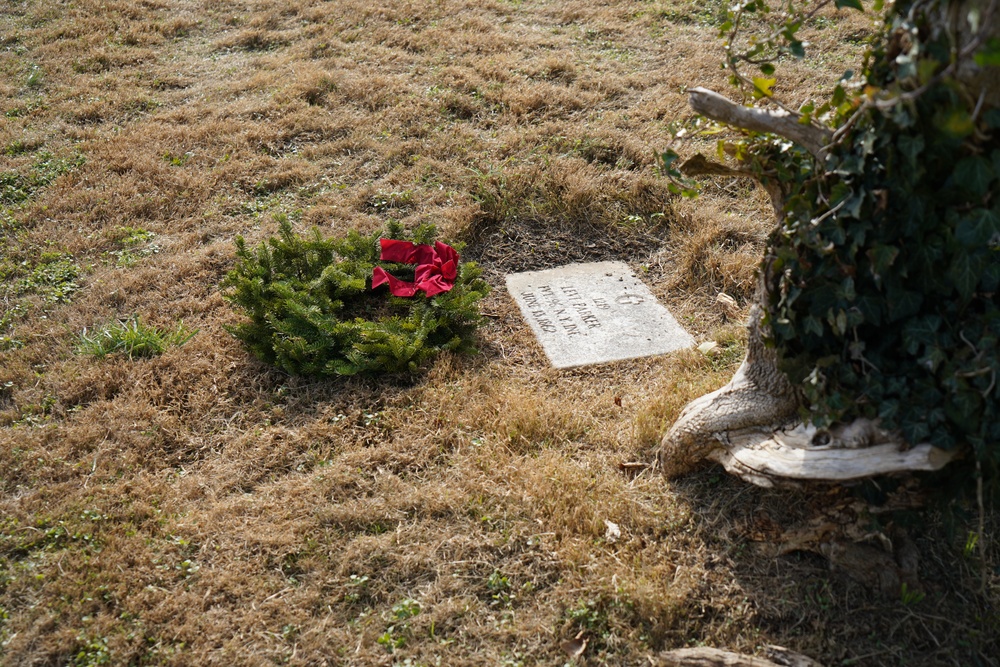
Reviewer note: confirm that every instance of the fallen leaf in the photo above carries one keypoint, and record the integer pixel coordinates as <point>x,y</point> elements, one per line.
<point>632,469</point>
<point>709,348</point>
<point>575,647</point>
<point>728,304</point>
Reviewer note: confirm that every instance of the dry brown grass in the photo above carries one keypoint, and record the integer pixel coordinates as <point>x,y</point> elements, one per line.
<point>198,508</point>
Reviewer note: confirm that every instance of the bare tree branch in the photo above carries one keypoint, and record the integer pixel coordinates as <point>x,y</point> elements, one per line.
<point>713,105</point>
<point>699,165</point>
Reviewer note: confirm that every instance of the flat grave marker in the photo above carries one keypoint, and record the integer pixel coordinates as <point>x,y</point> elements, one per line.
<point>593,313</point>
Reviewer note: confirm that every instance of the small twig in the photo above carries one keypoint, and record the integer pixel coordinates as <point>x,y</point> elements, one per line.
<point>774,36</point>
<point>93,467</point>
<point>975,351</point>
<point>993,383</point>
<point>832,211</point>
<point>979,105</point>
<point>845,128</point>
<point>910,96</point>
<point>271,597</point>
<point>975,373</point>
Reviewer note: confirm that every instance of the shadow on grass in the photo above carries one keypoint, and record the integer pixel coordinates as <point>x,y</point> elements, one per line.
<point>827,612</point>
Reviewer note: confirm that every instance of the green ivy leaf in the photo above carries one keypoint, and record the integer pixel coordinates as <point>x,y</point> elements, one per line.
<point>812,324</point>
<point>845,290</point>
<point>849,4</point>
<point>974,174</point>
<point>933,359</point>
<point>902,303</point>
<point>955,122</point>
<point>964,273</point>
<point>978,227</point>
<point>839,95</point>
<point>920,331</point>
<point>926,69</point>
<point>990,279</point>
<point>838,321</point>
<point>911,147</point>
<point>914,430</point>
<point>870,308</point>
<point>668,157</point>
<point>888,410</point>
<point>852,206</point>
<point>767,69</point>
<point>882,257</point>
<point>964,408</point>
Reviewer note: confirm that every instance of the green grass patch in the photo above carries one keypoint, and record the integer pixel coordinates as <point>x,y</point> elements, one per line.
<point>16,188</point>
<point>135,244</point>
<point>132,338</point>
<point>54,278</point>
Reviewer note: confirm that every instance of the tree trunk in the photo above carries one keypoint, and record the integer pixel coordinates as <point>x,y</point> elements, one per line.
<point>752,426</point>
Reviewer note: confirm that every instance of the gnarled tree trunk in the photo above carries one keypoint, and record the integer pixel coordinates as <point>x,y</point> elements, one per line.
<point>753,425</point>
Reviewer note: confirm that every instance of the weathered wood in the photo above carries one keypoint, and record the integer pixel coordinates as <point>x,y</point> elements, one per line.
<point>793,454</point>
<point>758,397</point>
<point>703,656</point>
<point>750,427</point>
<point>776,121</point>
<point>786,658</point>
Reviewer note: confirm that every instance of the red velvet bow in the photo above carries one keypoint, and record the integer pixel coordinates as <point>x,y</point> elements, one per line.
<point>437,267</point>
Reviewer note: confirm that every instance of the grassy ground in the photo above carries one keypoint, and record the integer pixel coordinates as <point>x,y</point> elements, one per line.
<point>195,507</point>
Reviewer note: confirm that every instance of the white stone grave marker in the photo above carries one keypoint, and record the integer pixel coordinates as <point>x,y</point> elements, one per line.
<point>592,313</point>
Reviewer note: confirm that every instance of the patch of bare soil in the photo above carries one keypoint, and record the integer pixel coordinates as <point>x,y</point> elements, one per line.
<point>200,508</point>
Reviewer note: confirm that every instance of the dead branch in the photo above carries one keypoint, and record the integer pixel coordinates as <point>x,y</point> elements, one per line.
<point>713,105</point>
<point>699,165</point>
<point>793,455</point>
<point>703,656</point>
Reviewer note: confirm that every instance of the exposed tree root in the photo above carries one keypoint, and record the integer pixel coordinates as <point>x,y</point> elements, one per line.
<point>759,397</point>
<point>751,427</point>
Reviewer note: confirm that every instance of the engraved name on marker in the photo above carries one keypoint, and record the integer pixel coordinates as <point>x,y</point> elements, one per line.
<point>592,313</point>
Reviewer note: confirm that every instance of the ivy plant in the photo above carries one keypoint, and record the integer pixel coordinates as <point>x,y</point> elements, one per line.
<point>882,275</point>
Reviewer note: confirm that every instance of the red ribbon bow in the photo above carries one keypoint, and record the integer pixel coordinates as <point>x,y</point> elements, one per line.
<point>437,267</point>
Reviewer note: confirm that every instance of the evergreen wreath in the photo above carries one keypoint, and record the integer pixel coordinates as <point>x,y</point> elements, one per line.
<point>312,310</point>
